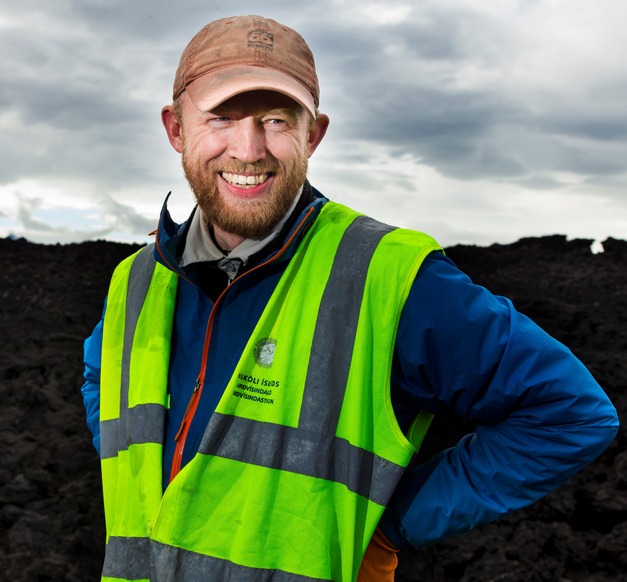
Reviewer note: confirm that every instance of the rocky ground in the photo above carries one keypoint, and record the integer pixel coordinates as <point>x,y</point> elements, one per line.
<point>51,525</point>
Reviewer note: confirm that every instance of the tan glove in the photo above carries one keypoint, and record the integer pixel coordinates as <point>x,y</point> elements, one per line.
<point>380,560</point>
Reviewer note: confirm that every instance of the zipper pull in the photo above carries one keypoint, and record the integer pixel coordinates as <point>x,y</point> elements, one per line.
<point>189,405</point>
<point>178,434</point>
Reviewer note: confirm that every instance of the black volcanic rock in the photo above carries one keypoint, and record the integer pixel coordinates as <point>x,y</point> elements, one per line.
<point>51,523</point>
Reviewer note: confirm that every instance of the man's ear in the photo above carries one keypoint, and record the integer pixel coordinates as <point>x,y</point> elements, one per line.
<point>316,133</point>
<point>173,127</point>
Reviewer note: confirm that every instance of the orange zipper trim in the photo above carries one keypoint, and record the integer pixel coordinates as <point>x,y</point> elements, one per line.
<point>192,405</point>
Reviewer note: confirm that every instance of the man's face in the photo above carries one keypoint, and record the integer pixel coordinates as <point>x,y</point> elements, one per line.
<point>246,159</point>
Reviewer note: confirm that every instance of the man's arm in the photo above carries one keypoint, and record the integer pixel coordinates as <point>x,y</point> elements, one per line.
<point>91,387</point>
<point>540,417</point>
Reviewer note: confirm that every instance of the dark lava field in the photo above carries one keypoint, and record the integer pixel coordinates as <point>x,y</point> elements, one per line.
<point>51,521</point>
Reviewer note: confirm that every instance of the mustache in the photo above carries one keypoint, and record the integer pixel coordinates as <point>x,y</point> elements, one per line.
<point>236,167</point>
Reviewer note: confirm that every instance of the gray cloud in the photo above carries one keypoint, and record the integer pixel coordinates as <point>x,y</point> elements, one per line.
<point>474,95</point>
<point>403,86</point>
<point>124,218</point>
<point>24,214</point>
<point>114,217</point>
<point>40,231</point>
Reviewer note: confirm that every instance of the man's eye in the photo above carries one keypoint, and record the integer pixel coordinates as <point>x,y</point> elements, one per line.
<point>275,121</point>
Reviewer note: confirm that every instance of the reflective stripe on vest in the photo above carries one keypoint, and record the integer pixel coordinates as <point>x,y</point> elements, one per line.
<point>143,423</point>
<point>134,554</point>
<point>266,473</point>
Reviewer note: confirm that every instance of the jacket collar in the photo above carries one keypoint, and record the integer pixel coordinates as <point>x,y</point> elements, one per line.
<point>171,236</point>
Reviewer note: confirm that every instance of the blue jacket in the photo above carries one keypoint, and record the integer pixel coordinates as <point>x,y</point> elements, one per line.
<point>539,415</point>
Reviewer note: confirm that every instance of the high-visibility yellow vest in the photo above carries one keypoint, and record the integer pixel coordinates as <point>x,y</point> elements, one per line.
<point>303,451</point>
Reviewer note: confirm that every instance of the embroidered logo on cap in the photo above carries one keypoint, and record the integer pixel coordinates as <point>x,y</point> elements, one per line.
<point>260,38</point>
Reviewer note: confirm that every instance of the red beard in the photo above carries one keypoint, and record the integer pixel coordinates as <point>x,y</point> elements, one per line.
<point>255,218</point>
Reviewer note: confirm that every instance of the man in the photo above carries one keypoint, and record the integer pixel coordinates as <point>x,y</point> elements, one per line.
<point>264,373</point>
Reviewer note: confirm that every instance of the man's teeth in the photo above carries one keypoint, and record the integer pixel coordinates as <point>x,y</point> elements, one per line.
<point>239,180</point>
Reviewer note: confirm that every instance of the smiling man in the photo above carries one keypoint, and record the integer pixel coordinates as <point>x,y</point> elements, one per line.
<point>265,372</point>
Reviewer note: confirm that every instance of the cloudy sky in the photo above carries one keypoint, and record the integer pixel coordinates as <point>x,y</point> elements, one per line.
<point>477,122</point>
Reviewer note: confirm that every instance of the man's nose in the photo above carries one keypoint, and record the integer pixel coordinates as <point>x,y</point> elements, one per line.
<point>248,144</point>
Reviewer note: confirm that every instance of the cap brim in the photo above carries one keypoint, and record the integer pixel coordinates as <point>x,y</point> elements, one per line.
<point>212,89</point>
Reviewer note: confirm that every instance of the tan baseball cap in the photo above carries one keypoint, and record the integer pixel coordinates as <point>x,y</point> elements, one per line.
<point>246,53</point>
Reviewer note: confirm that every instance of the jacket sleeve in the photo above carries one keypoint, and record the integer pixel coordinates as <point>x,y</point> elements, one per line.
<point>90,390</point>
<point>540,417</point>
